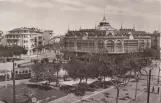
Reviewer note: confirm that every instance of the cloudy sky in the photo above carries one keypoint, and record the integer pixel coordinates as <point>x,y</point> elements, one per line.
<point>58,15</point>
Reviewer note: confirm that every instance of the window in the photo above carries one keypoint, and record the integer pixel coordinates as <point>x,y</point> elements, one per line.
<point>110,46</point>
<point>118,46</point>
<point>25,36</point>
<point>91,45</point>
<point>40,37</point>
<point>130,45</point>
<point>71,44</point>
<point>141,44</point>
<point>25,31</point>
<point>100,44</point>
<point>85,44</point>
<point>26,71</point>
<point>79,45</point>
<point>25,41</point>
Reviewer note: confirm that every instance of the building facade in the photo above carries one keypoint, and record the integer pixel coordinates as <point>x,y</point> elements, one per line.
<point>104,36</point>
<point>29,38</point>
<point>55,39</point>
<point>1,34</point>
<point>47,36</point>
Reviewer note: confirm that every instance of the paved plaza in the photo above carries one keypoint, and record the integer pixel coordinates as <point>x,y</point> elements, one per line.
<point>127,95</point>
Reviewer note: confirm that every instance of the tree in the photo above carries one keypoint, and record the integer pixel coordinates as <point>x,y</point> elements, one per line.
<point>136,67</point>
<point>49,72</point>
<point>45,71</point>
<point>39,48</point>
<point>104,65</point>
<point>118,69</point>
<point>74,69</point>
<point>82,68</point>
<point>90,66</point>
<point>10,51</point>
<point>38,70</point>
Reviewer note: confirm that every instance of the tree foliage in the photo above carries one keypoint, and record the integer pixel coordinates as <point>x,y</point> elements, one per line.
<point>10,51</point>
<point>81,69</point>
<point>45,71</point>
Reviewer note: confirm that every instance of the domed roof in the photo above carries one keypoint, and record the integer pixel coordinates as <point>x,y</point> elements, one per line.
<point>105,25</point>
<point>104,19</point>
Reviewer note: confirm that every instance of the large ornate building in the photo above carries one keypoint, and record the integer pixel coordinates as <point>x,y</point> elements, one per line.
<point>104,36</point>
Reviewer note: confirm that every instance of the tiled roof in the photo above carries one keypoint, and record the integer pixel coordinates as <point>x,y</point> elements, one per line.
<point>89,32</point>
<point>25,28</point>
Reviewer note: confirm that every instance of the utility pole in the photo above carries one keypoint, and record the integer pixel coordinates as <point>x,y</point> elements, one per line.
<point>14,92</point>
<point>37,51</point>
<point>6,77</point>
<point>159,75</point>
<point>148,91</point>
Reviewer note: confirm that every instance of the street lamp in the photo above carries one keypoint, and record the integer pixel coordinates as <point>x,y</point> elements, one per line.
<point>56,66</point>
<point>6,74</point>
<point>159,73</point>
<point>148,91</point>
<point>13,76</point>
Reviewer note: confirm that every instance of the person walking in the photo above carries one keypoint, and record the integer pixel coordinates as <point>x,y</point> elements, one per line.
<point>153,89</point>
<point>158,90</point>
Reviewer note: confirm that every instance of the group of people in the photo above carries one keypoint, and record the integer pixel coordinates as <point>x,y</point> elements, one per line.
<point>154,89</point>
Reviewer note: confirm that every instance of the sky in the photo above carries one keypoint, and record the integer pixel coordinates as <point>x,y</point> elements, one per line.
<point>59,15</point>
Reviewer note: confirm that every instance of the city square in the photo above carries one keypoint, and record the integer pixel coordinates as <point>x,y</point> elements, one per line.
<point>80,51</point>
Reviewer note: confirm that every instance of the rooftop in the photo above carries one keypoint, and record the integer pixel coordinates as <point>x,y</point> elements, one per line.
<point>26,28</point>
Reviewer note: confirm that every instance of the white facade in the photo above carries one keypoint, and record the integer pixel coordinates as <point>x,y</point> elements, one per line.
<point>55,39</point>
<point>25,37</point>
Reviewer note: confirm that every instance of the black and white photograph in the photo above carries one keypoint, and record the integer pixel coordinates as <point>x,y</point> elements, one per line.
<point>80,51</point>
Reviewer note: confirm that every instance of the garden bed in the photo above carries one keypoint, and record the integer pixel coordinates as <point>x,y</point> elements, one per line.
<point>40,93</point>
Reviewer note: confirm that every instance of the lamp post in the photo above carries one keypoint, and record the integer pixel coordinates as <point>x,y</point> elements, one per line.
<point>159,74</point>
<point>13,76</point>
<point>148,96</point>
<point>4,61</point>
<point>6,76</point>
<point>55,62</point>
<point>148,91</point>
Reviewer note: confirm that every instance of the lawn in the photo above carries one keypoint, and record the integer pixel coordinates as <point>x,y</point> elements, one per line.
<point>41,94</point>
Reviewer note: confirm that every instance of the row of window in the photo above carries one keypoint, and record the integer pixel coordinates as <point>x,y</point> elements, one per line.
<point>22,31</point>
<point>18,36</point>
<point>23,72</point>
<point>107,43</point>
<point>25,41</point>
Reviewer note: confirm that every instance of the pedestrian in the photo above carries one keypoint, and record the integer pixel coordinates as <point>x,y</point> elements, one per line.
<point>158,89</point>
<point>153,89</point>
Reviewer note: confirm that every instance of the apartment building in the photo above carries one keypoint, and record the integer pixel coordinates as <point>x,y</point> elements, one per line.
<point>47,36</point>
<point>29,38</point>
